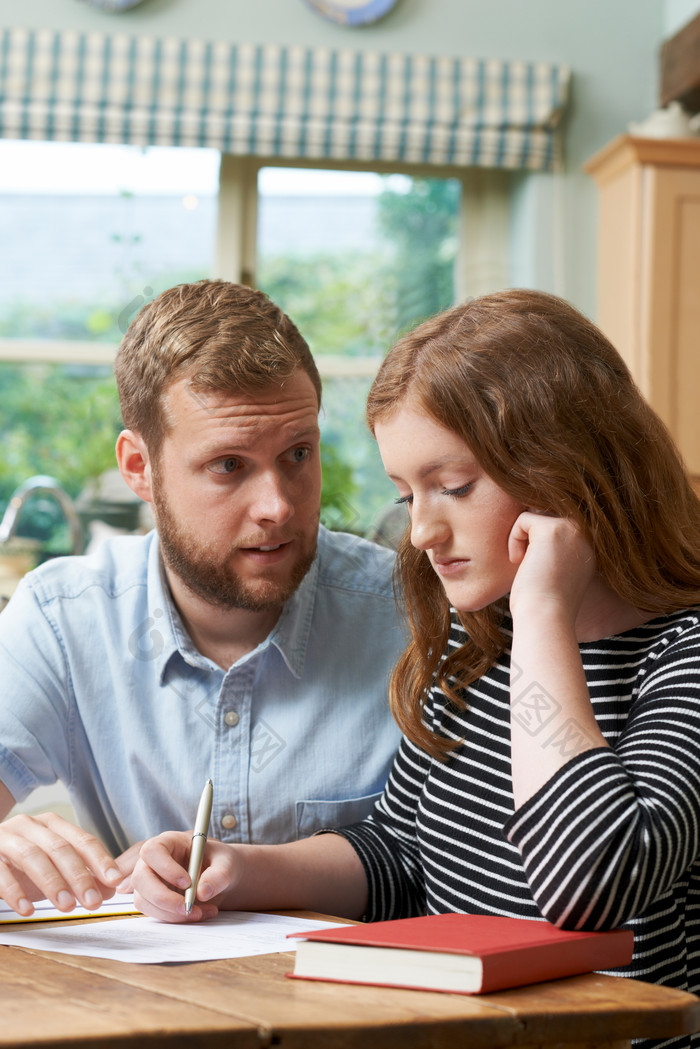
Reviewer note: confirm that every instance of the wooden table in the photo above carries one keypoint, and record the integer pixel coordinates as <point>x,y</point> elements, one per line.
<point>64,1000</point>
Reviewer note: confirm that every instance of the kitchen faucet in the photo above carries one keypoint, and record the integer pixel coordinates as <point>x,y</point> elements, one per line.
<point>40,484</point>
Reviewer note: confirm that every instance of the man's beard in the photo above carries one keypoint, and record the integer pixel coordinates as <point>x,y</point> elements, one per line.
<point>213,579</point>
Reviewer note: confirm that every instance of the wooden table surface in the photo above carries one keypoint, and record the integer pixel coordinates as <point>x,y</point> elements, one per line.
<point>65,1000</point>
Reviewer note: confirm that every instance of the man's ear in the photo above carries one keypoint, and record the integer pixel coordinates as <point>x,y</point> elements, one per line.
<point>135,464</point>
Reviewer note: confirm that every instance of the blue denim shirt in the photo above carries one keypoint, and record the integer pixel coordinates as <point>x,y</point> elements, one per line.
<point>103,689</point>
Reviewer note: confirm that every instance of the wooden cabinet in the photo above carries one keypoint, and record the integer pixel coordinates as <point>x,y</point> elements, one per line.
<point>649,273</point>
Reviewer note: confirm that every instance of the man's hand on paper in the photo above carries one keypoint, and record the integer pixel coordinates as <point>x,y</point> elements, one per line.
<point>46,857</point>
<point>160,877</point>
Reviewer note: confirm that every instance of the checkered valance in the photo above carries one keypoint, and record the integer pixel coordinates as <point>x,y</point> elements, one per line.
<point>276,101</point>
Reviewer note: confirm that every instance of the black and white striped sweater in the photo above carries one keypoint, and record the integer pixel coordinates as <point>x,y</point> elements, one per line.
<point>610,840</point>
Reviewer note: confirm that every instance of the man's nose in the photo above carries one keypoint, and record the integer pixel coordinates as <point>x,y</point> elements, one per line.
<point>273,498</point>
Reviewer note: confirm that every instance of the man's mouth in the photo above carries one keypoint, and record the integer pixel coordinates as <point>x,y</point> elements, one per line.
<point>265,548</point>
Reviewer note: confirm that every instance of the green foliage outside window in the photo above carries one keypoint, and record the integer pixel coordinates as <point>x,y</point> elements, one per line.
<point>56,420</point>
<point>422,227</point>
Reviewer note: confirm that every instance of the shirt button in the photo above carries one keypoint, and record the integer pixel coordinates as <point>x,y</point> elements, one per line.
<point>229,821</point>
<point>231,718</point>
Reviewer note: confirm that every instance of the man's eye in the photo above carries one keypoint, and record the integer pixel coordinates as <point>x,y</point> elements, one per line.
<point>299,455</point>
<point>224,466</point>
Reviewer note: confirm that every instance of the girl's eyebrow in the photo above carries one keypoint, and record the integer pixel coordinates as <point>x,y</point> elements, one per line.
<point>438,464</point>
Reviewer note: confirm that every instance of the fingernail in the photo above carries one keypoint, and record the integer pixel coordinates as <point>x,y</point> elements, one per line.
<point>93,900</point>
<point>112,874</point>
<point>24,906</point>
<point>65,901</point>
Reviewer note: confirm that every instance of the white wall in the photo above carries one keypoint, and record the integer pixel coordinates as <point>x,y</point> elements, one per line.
<point>678,13</point>
<point>612,48</point>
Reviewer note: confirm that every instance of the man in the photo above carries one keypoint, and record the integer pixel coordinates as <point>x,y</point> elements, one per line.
<point>239,641</point>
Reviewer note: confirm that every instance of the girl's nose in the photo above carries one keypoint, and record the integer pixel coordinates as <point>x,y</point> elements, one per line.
<point>427,526</point>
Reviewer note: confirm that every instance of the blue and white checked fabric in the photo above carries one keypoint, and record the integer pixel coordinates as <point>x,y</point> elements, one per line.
<point>276,101</point>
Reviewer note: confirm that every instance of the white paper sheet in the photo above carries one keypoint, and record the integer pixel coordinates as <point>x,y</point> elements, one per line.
<point>44,910</point>
<point>232,934</point>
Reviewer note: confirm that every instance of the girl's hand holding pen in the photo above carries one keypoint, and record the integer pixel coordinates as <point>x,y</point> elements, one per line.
<point>160,878</point>
<point>320,873</point>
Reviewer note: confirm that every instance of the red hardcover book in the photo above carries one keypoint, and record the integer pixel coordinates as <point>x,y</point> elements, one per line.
<point>459,953</point>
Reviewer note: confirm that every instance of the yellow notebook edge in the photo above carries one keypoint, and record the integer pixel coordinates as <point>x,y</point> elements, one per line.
<point>11,918</point>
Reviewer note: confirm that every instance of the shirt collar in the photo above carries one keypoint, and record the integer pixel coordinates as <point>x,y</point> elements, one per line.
<point>290,635</point>
<point>169,634</point>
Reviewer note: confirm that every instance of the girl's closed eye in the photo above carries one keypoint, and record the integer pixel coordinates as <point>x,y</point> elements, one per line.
<point>456,493</point>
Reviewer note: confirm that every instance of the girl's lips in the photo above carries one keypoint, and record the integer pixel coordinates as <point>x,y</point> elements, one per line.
<point>449,565</point>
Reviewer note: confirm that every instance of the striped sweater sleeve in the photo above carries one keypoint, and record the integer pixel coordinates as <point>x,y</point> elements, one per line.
<point>612,832</point>
<point>387,845</point>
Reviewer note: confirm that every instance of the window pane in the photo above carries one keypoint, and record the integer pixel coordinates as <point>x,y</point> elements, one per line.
<point>355,258</point>
<point>89,230</point>
<point>88,234</point>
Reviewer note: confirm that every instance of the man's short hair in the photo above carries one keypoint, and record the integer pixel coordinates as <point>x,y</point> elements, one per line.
<point>218,335</point>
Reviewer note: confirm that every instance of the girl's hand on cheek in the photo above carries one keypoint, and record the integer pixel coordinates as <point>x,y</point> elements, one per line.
<point>555,565</point>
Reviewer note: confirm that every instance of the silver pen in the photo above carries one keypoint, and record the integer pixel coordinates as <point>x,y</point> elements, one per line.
<point>199,840</point>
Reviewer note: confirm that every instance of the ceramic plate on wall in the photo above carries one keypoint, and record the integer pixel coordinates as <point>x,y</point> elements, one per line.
<point>352,12</point>
<point>113,5</point>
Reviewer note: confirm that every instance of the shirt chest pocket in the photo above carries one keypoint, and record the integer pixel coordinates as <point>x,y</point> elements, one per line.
<point>313,815</point>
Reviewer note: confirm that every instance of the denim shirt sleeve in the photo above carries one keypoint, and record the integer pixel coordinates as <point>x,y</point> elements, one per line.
<point>35,710</point>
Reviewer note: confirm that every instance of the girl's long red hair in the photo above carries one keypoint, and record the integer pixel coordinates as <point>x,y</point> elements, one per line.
<point>550,410</point>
